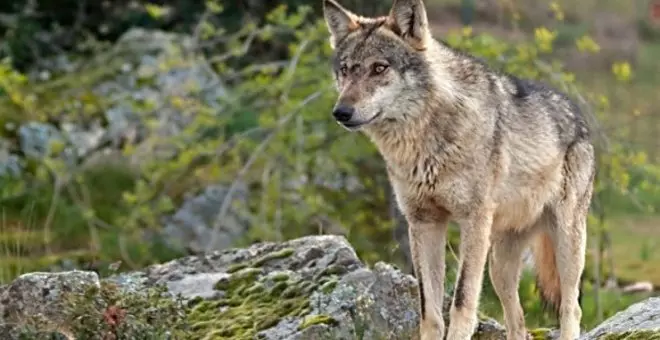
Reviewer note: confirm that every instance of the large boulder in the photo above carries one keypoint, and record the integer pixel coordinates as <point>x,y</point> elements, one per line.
<point>309,288</point>
<point>639,321</point>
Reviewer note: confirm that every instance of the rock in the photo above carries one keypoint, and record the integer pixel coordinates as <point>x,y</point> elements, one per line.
<point>639,321</point>
<point>69,142</point>
<point>84,140</point>
<point>192,226</point>
<point>10,164</point>
<point>311,288</point>
<point>325,291</point>
<point>36,299</point>
<point>40,140</point>
<point>18,332</point>
<point>638,287</point>
<point>142,79</point>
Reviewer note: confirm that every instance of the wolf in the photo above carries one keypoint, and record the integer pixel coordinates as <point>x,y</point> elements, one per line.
<point>508,159</point>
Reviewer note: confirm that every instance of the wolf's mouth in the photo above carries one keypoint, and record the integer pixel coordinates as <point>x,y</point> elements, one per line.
<point>354,125</point>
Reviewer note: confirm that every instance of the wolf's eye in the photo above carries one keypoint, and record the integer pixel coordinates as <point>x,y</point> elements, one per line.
<point>344,70</point>
<point>379,68</point>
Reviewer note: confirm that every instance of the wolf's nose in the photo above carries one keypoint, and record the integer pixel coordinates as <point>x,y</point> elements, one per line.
<point>343,113</point>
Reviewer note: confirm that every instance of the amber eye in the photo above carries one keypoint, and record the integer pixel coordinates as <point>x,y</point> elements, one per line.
<point>379,68</point>
<point>344,70</point>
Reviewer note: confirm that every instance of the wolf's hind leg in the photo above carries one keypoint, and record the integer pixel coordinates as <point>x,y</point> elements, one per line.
<point>505,265</point>
<point>570,234</point>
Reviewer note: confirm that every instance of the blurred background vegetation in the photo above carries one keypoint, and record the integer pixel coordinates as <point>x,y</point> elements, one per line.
<point>139,131</point>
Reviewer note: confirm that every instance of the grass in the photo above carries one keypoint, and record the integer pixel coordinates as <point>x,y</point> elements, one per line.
<point>611,302</point>
<point>33,239</point>
<point>636,248</point>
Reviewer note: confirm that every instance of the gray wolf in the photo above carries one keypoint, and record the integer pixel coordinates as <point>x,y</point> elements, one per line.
<point>508,159</point>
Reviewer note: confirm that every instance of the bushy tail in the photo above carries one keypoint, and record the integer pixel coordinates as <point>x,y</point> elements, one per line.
<point>547,275</point>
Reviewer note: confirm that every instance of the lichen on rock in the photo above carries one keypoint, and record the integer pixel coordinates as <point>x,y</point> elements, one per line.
<point>38,299</point>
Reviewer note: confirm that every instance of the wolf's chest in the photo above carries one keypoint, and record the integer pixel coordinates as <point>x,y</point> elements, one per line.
<point>421,174</point>
<point>427,188</point>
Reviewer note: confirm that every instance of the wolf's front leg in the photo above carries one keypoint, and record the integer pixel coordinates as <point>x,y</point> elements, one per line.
<point>475,242</point>
<point>427,247</point>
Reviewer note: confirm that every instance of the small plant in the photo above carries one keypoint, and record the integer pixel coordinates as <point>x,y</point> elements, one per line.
<point>109,313</point>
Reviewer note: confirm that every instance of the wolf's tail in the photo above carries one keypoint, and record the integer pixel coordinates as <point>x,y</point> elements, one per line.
<point>547,274</point>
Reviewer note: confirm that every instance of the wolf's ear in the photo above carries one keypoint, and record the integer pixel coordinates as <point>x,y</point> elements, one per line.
<point>340,21</point>
<point>408,19</point>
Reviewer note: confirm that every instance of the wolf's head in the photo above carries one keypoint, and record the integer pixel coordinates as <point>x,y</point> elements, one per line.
<point>380,64</point>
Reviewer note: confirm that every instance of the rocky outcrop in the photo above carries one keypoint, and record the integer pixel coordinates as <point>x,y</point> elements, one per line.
<point>309,288</point>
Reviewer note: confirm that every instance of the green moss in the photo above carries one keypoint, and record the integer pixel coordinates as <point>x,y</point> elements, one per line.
<point>255,289</point>
<point>280,277</point>
<point>329,271</point>
<point>292,291</point>
<point>329,286</point>
<point>540,333</point>
<point>236,267</point>
<point>308,287</point>
<point>238,279</point>
<point>267,322</point>
<point>252,302</point>
<point>278,289</point>
<point>482,316</point>
<point>634,335</point>
<point>281,254</point>
<point>320,319</point>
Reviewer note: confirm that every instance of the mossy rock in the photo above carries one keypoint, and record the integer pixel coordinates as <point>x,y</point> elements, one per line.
<point>639,321</point>
<point>634,335</point>
<point>310,288</point>
<point>252,302</point>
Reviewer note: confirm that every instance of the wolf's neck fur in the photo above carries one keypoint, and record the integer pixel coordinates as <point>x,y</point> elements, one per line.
<point>436,124</point>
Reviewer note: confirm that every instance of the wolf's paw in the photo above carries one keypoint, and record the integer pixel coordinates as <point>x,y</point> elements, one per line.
<point>431,330</point>
<point>462,324</point>
<point>456,333</point>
